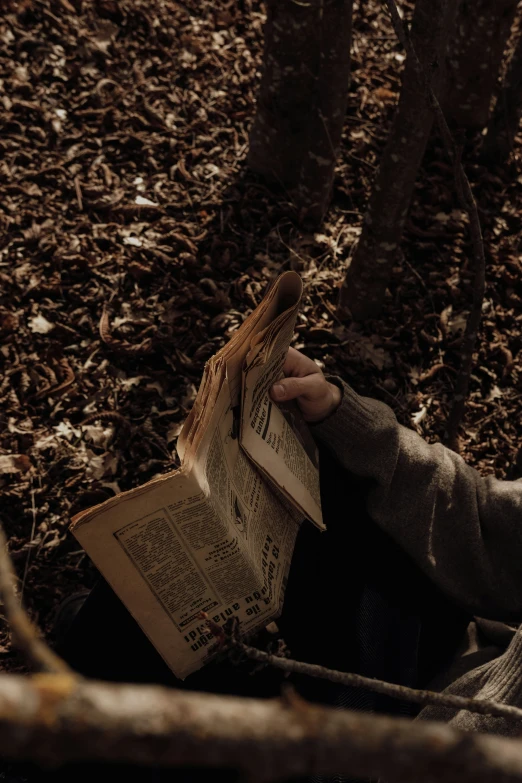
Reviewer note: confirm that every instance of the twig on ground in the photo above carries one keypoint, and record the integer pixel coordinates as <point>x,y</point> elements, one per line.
<point>30,549</point>
<point>25,635</point>
<point>229,637</point>
<point>479,706</point>
<point>467,201</point>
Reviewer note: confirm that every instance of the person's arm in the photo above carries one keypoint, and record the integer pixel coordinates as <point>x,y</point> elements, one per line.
<point>463,530</point>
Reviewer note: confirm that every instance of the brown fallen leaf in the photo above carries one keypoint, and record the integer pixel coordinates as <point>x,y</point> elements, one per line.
<point>14,463</point>
<point>383,94</point>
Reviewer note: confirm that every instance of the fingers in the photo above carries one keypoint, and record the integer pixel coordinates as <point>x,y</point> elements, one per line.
<point>293,360</point>
<point>297,364</point>
<point>310,387</point>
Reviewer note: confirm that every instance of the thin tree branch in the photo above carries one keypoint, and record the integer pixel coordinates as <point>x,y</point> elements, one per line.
<point>417,696</point>
<point>25,635</point>
<point>54,719</point>
<point>467,200</point>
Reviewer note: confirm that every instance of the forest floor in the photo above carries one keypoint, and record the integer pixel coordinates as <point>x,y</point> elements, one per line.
<point>124,132</point>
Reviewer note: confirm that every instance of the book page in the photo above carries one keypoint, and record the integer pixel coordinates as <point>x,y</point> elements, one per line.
<point>146,547</point>
<point>216,537</point>
<point>276,437</point>
<point>262,528</point>
<point>216,541</point>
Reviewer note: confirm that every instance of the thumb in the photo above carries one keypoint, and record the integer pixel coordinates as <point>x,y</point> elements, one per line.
<point>290,388</point>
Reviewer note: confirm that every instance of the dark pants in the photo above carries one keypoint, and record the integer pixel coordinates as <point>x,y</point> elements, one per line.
<point>354,602</point>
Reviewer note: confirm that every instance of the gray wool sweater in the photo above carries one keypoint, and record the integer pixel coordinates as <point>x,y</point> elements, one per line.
<point>463,530</point>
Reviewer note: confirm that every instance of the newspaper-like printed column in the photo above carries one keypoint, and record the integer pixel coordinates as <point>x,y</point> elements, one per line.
<point>146,547</point>
<point>276,437</point>
<point>261,530</point>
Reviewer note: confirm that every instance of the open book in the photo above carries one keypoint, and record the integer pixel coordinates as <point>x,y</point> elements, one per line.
<point>217,535</point>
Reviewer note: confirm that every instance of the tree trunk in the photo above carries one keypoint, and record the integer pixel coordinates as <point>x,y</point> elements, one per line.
<point>508,110</point>
<point>366,279</point>
<point>302,100</point>
<point>474,57</point>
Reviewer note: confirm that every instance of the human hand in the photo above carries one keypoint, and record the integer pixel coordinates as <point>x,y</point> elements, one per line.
<point>305,382</point>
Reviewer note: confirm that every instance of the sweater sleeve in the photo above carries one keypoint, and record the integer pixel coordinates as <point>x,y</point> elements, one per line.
<point>462,529</point>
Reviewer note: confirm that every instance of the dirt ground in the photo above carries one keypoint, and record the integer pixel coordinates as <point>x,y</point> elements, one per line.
<point>126,203</point>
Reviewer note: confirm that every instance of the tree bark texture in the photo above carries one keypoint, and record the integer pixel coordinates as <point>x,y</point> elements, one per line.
<point>302,100</point>
<point>364,287</point>
<point>505,120</point>
<point>474,57</point>
<point>53,719</point>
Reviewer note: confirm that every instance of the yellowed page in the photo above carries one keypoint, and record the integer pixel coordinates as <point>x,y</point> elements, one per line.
<point>214,536</point>
<point>276,437</point>
<point>216,540</point>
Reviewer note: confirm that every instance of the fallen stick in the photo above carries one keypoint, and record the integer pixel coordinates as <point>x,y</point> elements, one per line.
<point>53,719</point>
<point>414,695</point>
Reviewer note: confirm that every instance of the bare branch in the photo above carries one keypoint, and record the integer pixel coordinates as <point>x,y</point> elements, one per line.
<point>52,719</point>
<point>25,635</point>
<point>417,696</point>
<point>469,205</point>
